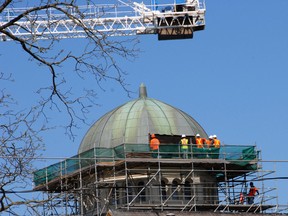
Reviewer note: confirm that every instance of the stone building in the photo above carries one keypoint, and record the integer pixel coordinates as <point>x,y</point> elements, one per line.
<point>116,173</point>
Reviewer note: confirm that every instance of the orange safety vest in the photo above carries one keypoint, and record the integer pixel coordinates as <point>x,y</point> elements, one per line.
<point>154,143</point>
<point>208,143</point>
<point>216,143</point>
<point>184,143</point>
<point>252,191</point>
<point>199,142</point>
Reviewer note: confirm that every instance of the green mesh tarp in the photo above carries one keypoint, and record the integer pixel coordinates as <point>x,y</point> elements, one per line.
<point>138,148</point>
<point>169,151</point>
<point>205,152</point>
<point>47,174</point>
<point>235,153</point>
<point>87,158</point>
<point>119,152</point>
<point>174,151</point>
<point>249,153</point>
<point>240,155</point>
<point>72,164</point>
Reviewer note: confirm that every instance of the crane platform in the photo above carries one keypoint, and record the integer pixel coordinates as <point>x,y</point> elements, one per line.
<point>177,20</point>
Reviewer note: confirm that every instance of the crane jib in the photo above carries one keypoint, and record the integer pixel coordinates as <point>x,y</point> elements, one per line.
<point>177,20</point>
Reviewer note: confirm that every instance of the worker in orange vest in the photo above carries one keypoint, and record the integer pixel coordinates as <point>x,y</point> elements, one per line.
<point>199,141</point>
<point>210,141</point>
<point>184,146</point>
<point>252,192</point>
<point>216,142</point>
<point>154,145</point>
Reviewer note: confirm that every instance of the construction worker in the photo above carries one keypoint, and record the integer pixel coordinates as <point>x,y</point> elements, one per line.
<point>154,145</point>
<point>210,141</point>
<point>184,146</point>
<point>252,192</point>
<point>216,142</point>
<point>199,141</point>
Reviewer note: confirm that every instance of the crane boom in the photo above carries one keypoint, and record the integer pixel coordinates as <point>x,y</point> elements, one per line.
<point>169,21</point>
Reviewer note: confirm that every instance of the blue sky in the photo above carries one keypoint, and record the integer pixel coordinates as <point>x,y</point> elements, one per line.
<point>232,77</point>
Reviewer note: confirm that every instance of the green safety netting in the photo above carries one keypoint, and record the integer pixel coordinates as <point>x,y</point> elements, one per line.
<point>237,154</point>
<point>240,155</point>
<point>206,152</point>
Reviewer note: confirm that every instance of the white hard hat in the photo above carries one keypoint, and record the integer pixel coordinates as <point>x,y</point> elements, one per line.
<point>197,135</point>
<point>183,135</point>
<point>214,136</point>
<point>210,137</point>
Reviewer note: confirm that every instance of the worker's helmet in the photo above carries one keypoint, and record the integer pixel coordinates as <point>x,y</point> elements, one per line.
<point>197,135</point>
<point>214,136</point>
<point>183,135</point>
<point>153,135</point>
<point>210,137</point>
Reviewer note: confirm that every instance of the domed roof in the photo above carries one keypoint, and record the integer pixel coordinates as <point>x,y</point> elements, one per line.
<point>133,121</point>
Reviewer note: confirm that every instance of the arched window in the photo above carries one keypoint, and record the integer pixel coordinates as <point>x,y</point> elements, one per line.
<point>187,190</point>
<point>175,189</point>
<point>164,189</point>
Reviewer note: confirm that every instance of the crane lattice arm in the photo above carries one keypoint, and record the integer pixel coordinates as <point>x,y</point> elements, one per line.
<point>169,21</point>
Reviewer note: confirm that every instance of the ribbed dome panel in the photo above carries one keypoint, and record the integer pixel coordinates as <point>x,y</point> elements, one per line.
<point>133,121</point>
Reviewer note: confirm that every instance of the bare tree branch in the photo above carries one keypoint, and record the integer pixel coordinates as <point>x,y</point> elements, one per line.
<point>96,58</point>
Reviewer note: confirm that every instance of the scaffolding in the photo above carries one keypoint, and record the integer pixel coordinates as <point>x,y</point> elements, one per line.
<point>130,177</point>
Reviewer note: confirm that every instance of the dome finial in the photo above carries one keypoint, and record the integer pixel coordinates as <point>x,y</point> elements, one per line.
<point>142,91</point>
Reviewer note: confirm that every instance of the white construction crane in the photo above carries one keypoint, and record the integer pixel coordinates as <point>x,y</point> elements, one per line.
<point>177,20</point>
